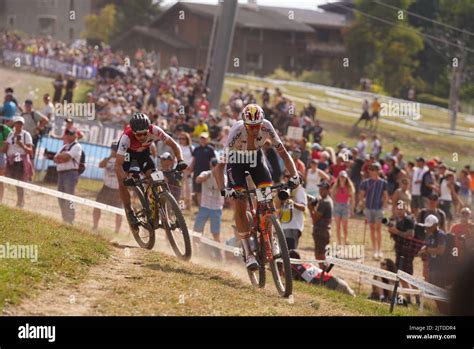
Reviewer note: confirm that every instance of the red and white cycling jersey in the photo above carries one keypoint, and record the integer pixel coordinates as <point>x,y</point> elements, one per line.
<point>128,142</point>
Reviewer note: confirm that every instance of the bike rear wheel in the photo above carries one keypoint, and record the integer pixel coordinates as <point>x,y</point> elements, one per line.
<point>257,277</point>
<point>280,266</point>
<point>145,234</point>
<point>172,220</point>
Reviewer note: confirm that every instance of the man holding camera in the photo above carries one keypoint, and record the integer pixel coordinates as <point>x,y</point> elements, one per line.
<point>291,205</point>
<point>321,214</point>
<point>402,230</point>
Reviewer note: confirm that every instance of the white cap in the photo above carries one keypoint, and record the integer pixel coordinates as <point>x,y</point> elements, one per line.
<point>18,119</point>
<point>430,221</point>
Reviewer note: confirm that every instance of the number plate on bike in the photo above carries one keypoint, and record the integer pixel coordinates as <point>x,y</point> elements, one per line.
<point>157,176</point>
<point>264,194</point>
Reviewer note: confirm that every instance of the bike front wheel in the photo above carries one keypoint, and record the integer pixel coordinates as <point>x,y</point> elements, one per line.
<point>145,233</point>
<point>257,277</point>
<point>280,266</point>
<point>172,220</point>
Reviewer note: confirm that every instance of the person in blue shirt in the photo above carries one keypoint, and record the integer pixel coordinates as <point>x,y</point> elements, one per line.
<point>8,110</point>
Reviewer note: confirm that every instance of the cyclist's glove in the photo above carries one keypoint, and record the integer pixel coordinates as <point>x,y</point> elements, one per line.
<point>228,193</point>
<point>294,181</point>
<point>129,182</point>
<point>181,166</point>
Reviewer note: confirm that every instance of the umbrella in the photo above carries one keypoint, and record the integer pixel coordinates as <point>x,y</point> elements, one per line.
<point>111,71</point>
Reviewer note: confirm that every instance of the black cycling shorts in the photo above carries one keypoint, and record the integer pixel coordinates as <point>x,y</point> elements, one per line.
<point>260,174</point>
<point>141,159</point>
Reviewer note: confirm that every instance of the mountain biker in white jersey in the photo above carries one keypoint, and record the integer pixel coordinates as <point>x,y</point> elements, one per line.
<point>134,146</point>
<point>249,134</point>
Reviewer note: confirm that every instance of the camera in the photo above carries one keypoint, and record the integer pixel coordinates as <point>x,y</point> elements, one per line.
<point>284,194</point>
<point>312,201</point>
<point>388,222</point>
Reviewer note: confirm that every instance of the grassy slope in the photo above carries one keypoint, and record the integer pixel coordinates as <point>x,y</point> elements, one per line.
<point>64,254</point>
<point>157,285</point>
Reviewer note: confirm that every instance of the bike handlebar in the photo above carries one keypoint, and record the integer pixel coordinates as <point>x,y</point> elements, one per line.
<point>148,178</point>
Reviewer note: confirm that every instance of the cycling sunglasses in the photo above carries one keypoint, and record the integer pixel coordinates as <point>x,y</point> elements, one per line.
<point>141,133</point>
<point>253,127</point>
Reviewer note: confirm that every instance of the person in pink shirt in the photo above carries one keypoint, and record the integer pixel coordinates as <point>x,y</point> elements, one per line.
<point>343,196</point>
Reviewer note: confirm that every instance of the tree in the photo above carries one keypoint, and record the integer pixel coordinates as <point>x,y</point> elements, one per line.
<point>101,26</point>
<point>136,12</point>
<point>384,52</point>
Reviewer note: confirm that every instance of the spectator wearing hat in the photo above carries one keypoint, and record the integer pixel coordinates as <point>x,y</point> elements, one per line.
<point>316,150</point>
<point>212,203</point>
<point>416,179</point>
<point>343,196</point>
<point>174,180</point>
<point>374,198</point>
<point>313,177</point>
<point>18,148</point>
<point>321,215</point>
<point>109,193</point>
<point>35,122</point>
<point>68,159</point>
<point>436,252</point>
<point>202,156</point>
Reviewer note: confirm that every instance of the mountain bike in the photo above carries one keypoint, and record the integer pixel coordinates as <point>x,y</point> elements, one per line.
<point>267,240</point>
<point>156,208</point>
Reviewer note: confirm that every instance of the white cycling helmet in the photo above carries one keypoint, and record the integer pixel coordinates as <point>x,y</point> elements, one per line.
<point>253,114</point>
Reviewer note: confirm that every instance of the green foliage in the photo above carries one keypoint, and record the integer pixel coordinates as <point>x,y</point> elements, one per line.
<point>136,12</point>
<point>316,77</point>
<point>101,26</point>
<point>281,74</point>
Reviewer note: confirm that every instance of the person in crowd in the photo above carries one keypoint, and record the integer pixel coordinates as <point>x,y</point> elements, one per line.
<point>355,174</point>
<point>4,132</point>
<point>365,116</point>
<point>448,196</point>
<point>58,85</point>
<point>403,194</point>
<point>402,231</point>
<point>465,192</point>
<point>428,182</point>
<point>212,204</point>
<point>8,110</point>
<point>48,108</point>
<point>313,177</point>
<point>108,194</point>
<point>376,147</point>
<point>321,214</point>
<point>339,166</point>
<point>318,132</point>
<point>187,148</point>
<point>67,161</point>
<point>464,233</point>
<point>290,205</point>
<point>35,122</point>
<point>312,275</point>
<point>200,128</point>
<point>417,176</point>
<point>11,92</point>
<point>362,146</point>
<point>343,197</point>
<point>18,148</point>
<point>174,180</point>
<point>374,198</point>
<point>202,156</point>
<point>374,118</point>
<point>69,90</point>
<point>394,175</point>
<point>295,155</point>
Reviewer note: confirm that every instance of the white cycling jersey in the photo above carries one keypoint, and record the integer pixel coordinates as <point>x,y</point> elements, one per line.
<point>237,139</point>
